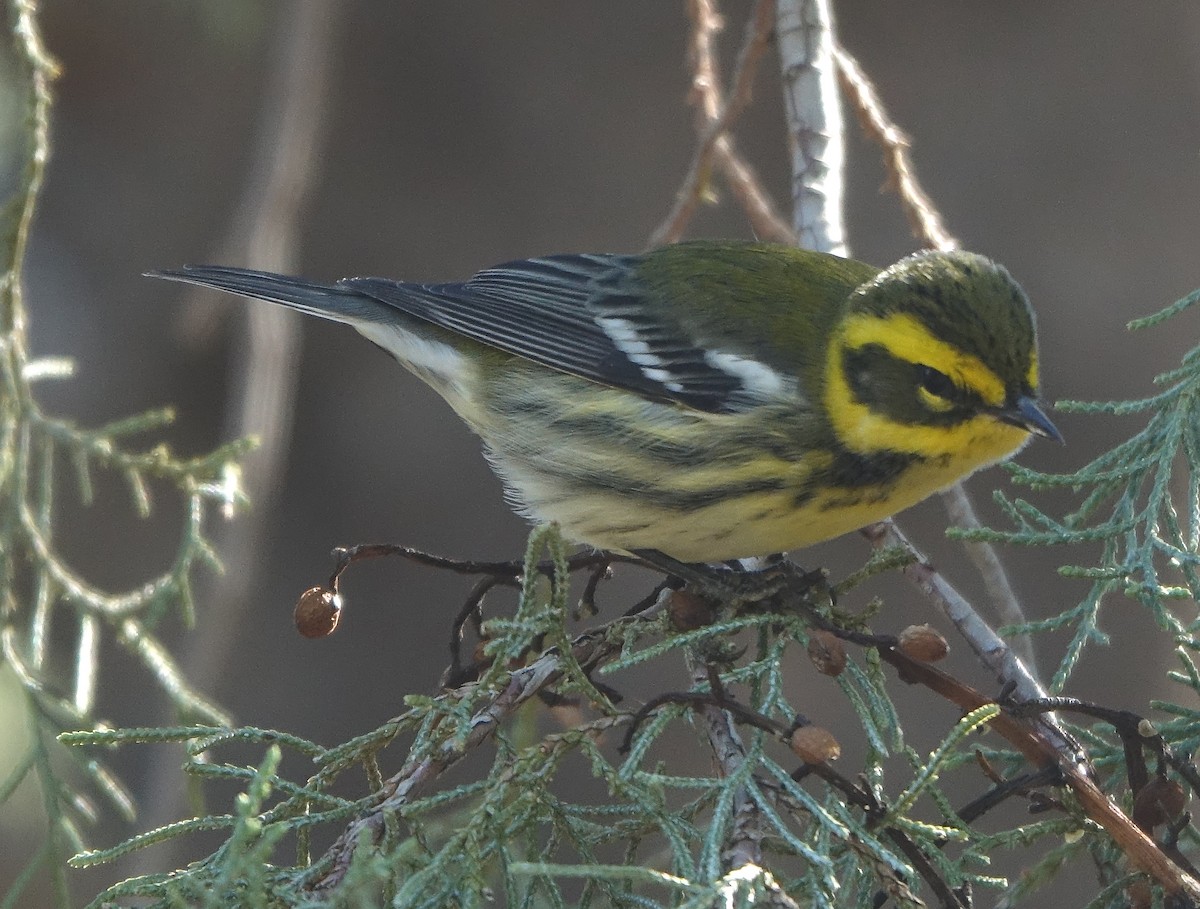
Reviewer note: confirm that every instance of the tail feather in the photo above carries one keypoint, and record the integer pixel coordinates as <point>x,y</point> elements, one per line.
<point>337,303</point>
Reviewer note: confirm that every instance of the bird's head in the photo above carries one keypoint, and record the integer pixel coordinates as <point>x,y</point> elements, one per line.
<point>937,356</point>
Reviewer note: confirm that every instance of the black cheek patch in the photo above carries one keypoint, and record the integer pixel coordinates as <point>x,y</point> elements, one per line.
<point>889,386</point>
<point>859,366</point>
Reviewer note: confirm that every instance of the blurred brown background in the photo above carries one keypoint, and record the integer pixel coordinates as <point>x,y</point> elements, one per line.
<point>1061,138</point>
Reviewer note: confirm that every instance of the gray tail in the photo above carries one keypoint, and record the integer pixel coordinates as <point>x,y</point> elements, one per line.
<point>326,301</point>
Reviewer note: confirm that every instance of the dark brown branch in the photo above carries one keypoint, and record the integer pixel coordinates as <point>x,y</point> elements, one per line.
<point>587,600</point>
<point>1136,732</point>
<point>494,574</point>
<point>696,700</point>
<point>1141,851</point>
<point>1025,784</point>
<point>504,572</point>
<point>471,611</point>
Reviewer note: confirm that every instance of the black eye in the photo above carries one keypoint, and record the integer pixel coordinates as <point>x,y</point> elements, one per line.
<point>936,383</point>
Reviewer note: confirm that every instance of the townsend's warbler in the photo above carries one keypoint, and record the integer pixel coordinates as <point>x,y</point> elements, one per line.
<point>709,400</point>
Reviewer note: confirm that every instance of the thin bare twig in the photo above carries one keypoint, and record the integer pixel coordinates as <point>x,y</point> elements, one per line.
<point>961,511</point>
<point>755,201</point>
<point>923,216</point>
<point>716,117</point>
<point>345,556</point>
<point>493,574</point>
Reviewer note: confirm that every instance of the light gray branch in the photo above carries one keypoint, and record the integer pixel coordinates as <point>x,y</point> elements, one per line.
<point>804,30</point>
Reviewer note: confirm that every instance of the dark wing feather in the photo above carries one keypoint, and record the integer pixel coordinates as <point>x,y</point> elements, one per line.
<point>582,314</point>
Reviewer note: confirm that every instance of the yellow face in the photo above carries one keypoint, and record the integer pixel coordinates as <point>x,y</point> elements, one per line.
<point>960,419</point>
<point>891,385</point>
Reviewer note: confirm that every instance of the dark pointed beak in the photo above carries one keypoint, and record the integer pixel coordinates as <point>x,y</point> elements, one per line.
<point>1028,414</point>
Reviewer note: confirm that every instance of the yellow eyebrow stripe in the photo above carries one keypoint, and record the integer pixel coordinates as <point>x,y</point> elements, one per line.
<point>906,338</point>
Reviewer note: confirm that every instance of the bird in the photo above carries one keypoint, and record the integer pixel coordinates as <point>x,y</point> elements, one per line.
<point>709,400</point>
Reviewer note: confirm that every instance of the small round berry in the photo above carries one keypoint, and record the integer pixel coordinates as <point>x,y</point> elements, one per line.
<point>827,652</point>
<point>922,643</point>
<point>815,745</point>
<point>317,612</point>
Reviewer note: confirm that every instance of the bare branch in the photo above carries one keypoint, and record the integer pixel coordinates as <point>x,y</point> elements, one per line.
<point>961,511</point>
<point>755,201</point>
<point>715,119</point>
<point>804,30</point>
<point>922,215</point>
